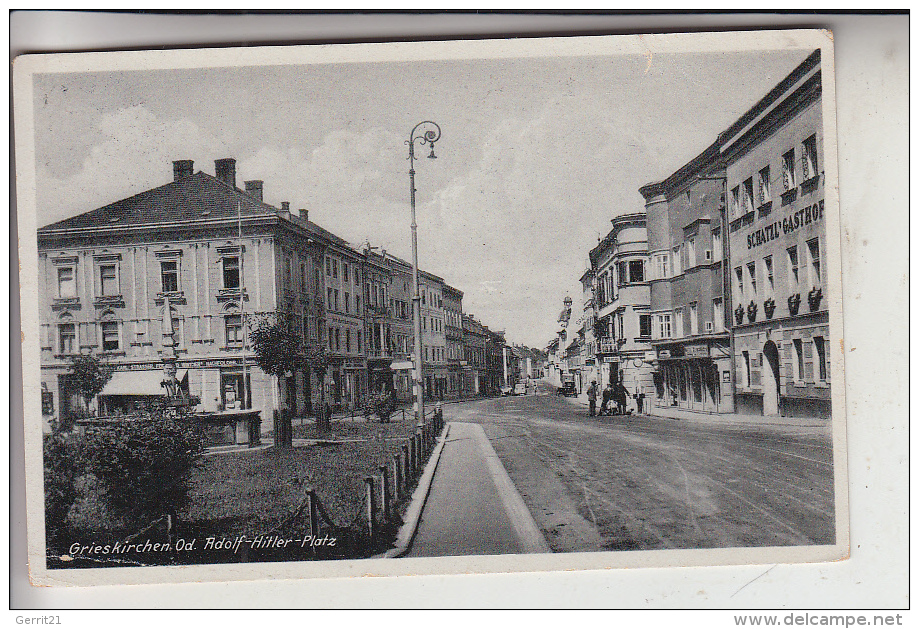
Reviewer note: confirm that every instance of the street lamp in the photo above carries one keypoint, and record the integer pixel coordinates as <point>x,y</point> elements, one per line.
<point>426,132</point>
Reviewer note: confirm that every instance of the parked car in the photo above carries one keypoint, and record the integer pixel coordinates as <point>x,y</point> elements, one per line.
<point>520,388</point>
<point>507,391</point>
<point>567,389</point>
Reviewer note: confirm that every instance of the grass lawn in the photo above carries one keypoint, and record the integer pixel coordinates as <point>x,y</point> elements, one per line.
<point>253,492</point>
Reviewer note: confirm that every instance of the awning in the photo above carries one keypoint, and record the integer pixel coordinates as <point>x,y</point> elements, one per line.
<point>138,383</point>
<point>399,366</point>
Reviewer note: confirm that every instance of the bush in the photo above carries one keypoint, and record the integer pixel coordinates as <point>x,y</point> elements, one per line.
<point>65,461</point>
<point>145,462</point>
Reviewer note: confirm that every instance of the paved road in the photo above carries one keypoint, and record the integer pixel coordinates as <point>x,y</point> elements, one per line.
<point>615,483</point>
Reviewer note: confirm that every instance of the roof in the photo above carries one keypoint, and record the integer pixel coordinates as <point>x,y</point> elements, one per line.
<point>198,197</point>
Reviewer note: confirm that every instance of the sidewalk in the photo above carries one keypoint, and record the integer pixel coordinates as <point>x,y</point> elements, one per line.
<point>472,507</point>
<point>731,419</point>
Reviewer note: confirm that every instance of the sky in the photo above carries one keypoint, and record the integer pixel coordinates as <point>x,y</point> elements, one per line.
<point>536,156</point>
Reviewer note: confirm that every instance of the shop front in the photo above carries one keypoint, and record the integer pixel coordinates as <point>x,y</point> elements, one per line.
<point>694,377</point>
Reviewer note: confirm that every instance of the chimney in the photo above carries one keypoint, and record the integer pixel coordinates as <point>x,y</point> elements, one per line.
<point>182,168</point>
<point>254,188</point>
<point>285,206</point>
<point>226,170</point>
<point>304,214</point>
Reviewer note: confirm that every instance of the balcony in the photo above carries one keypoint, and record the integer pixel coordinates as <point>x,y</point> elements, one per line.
<point>609,346</point>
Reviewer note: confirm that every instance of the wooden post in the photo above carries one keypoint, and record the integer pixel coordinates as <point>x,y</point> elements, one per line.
<point>371,508</point>
<point>384,492</point>
<point>396,477</point>
<point>405,461</point>
<point>419,445</point>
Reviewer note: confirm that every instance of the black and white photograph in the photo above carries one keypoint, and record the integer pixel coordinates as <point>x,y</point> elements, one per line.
<point>441,307</point>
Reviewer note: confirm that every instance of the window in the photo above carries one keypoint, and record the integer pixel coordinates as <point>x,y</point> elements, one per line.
<point>357,304</point>
<point>302,277</point>
<point>765,196</point>
<point>108,280</point>
<point>746,372</point>
<point>336,299</point>
<point>809,158</point>
<point>357,276</point>
<point>234,330</point>
<point>738,283</point>
<point>717,245</point>
<point>344,271</point>
<point>348,340</point>
<point>661,265</point>
<point>67,335</point>
<point>329,302</point>
<point>66,282</point>
<point>644,325</point>
<point>751,272</point>
<point>328,267</point>
<point>793,268</point>
<point>748,196</point>
<point>347,302</point>
<point>678,322</point>
<point>331,338</point>
<point>718,314</point>
<point>287,272</point>
<point>770,276</point>
<point>799,359</point>
<point>230,272</point>
<point>820,347</point>
<point>169,270</point>
<point>693,318</point>
<point>677,261</point>
<point>109,336</point>
<point>735,202</point>
<point>335,269</point>
<point>337,338</point>
<point>813,248</point>
<point>788,171</point>
<point>691,252</point>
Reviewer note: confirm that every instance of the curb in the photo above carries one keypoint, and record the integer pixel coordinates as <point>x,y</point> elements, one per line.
<point>518,513</point>
<point>419,497</point>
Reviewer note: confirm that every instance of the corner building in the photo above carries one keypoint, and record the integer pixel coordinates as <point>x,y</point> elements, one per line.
<point>773,157</point>
<point>688,328</point>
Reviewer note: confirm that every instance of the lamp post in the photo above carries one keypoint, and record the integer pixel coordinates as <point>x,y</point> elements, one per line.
<point>426,132</point>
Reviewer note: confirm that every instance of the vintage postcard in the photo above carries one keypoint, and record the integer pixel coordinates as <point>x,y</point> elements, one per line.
<point>431,308</point>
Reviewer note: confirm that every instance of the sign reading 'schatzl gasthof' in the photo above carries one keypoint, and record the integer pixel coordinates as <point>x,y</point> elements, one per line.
<point>340,338</point>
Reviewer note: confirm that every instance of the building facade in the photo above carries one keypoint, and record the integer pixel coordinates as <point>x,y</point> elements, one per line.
<point>217,257</point>
<point>433,336</point>
<point>453,333</point>
<point>621,305</point>
<point>689,304</point>
<point>474,352</point>
<point>773,157</point>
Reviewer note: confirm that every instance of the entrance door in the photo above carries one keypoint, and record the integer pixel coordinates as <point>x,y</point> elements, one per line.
<point>771,379</point>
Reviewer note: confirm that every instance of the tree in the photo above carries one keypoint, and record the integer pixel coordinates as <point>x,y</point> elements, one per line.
<point>88,375</point>
<point>278,351</point>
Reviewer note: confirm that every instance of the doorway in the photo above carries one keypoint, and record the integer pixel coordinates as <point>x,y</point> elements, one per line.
<point>771,379</point>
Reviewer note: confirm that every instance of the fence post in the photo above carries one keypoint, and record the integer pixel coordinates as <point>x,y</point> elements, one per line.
<point>384,492</point>
<point>419,445</point>
<point>371,509</point>
<point>396,478</point>
<point>405,462</point>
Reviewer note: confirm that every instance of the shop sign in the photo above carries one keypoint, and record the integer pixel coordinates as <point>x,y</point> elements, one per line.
<point>795,220</point>
<point>663,353</point>
<point>650,355</point>
<point>726,376</point>
<point>353,364</point>
<point>697,351</point>
<point>610,359</point>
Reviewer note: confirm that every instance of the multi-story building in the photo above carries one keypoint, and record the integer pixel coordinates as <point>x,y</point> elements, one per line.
<point>621,304</point>
<point>401,337</point>
<point>433,335</point>
<point>494,361</point>
<point>589,365</point>
<point>773,158</point>
<point>200,255</point>
<point>688,298</point>
<point>345,337</point>
<point>474,352</point>
<point>377,320</point>
<point>453,332</point>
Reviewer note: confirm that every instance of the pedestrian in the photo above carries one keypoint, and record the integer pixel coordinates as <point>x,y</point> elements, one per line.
<point>607,399</point>
<point>592,397</point>
<point>640,400</point>
<point>620,394</point>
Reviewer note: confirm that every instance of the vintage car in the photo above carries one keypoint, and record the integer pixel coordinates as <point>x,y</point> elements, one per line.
<point>567,389</point>
<point>520,388</point>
